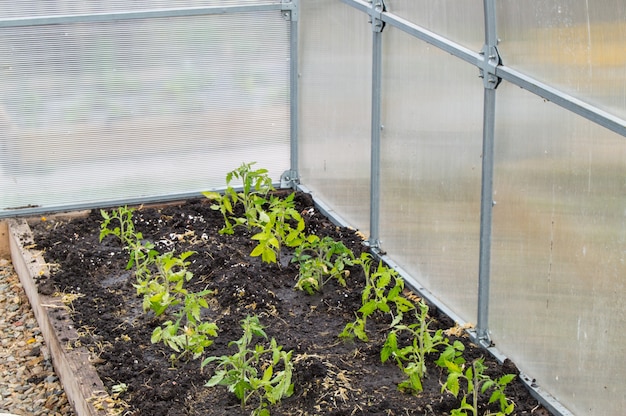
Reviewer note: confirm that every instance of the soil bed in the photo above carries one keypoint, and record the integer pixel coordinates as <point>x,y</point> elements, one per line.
<point>331,376</point>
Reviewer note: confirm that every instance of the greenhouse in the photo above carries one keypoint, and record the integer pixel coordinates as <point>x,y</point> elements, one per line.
<point>478,146</point>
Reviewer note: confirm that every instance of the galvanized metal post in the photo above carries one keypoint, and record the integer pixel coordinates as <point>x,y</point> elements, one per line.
<point>378,7</point>
<point>291,178</point>
<point>490,60</point>
<point>294,96</point>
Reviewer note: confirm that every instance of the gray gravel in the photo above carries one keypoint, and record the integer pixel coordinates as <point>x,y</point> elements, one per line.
<point>28,383</point>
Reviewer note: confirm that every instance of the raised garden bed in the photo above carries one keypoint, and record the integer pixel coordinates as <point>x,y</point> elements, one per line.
<point>110,331</point>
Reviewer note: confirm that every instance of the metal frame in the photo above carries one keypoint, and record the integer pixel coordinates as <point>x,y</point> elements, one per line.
<point>142,14</point>
<point>291,178</point>
<point>492,71</point>
<point>376,11</point>
<point>491,60</point>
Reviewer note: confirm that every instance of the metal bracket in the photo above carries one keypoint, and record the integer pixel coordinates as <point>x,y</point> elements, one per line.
<point>290,10</point>
<point>489,63</point>
<point>376,13</point>
<point>481,337</point>
<point>374,246</point>
<point>289,179</point>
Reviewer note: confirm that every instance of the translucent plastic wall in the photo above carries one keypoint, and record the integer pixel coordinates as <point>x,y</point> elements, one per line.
<point>462,22</point>
<point>431,146</point>
<point>559,229</point>
<point>577,46</point>
<point>559,251</point>
<point>503,195</point>
<point>335,107</point>
<point>142,107</point>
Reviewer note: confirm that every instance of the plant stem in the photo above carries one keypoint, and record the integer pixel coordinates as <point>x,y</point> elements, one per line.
<point>476,389</point>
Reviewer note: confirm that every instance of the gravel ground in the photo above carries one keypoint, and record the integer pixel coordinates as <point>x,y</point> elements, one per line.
<point>28,383</point>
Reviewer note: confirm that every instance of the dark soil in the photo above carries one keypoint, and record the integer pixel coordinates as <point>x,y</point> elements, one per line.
<point>331,376</point>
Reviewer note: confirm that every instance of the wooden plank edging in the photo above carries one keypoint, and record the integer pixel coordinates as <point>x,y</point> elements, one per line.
<point>83,387</point>
<point>5,252</point>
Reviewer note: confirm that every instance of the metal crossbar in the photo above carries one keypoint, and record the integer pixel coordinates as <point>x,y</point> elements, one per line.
<point>142,14</point>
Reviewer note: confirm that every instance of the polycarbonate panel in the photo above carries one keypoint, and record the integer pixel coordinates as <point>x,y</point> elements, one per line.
<point>577,46</point>
<point>559,252</point>
<point>460,21</point>
<point>141,108</point>
<point>38,8</point>
<point>431,168</point>
<point>335,107</point>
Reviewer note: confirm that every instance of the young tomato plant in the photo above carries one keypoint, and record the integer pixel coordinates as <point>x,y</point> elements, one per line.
<point>125,229</point>
<point>195,335</point>
<point>277,229</point>
<point>476,382</point>
<point>319,261</point>
<point>141,253</point>
<point>187,334</point>
<point>383,287</point>
<point>276,221</point>
<point>248,374</point>
<point>161,280</point>
<point>165,287</point>
<point>412,358</point>
<point>256,185</point>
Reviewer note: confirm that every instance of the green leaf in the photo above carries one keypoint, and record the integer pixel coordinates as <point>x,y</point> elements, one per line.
<point>217,378</point>
<point>212,195</point>
<point>240,388</point>
<point>294,238</point>
<point>487,384</point>
<point>394,292</point>
<point>365,295</point>
<point>273,242</point>
<point>382,306</point>
<point>156,335</point>
<point>348,331</point>
<point>452,384</point>
<point>506,379</point>
<point>263,217</point>
<point>470,385</point>
<point>227,205</point>
<point>269,256</point>
<point>465,405</point>
<point>360,333</point>
<point>368,308</point>
<point>496,395</point>
<point>414,384</point>
<point>267,374</point>
<point>262,236</point>
<point>383,280</point>
<point>396,320</point>
<point>390,346</point>
<point>258,250</point>
<point>403,304</point>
